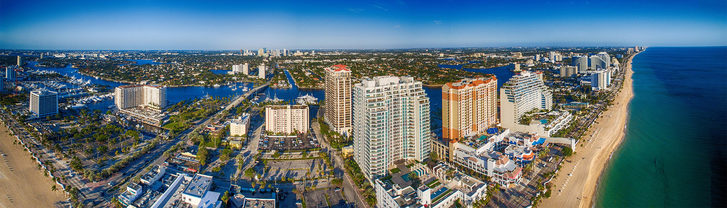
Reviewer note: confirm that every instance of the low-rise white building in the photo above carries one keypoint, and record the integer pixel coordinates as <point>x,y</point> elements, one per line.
<point>153,175</point>
<point>488,161</point>
<point>543,123</point>
<point>196,189</point>
<point>133,191</point>
<point>258,199</point>
<point>391,195</point>
<point>439,196</point>
<point>443,190</point>
<point>471,188</point>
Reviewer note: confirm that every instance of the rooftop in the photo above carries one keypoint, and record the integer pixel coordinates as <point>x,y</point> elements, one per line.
<point>43,92</point>
<point>340,67</point>
<point>257,199</point>
<point>199,185</point>
<point>381,81</point>
<point>404,196</point>
<point>132,86</point>
<point>153,173</point>
<point>287,106</point>
<point>210,200</point>
<point>242,119</point>
<point>471,82</point>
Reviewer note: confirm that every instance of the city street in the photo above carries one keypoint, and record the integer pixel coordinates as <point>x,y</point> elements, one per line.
<point>339,170</point>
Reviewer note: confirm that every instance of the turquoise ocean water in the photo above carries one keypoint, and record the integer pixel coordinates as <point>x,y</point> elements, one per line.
<point>675,150</point>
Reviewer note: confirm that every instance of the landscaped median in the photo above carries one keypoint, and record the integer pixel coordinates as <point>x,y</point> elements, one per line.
<point>367,190</point>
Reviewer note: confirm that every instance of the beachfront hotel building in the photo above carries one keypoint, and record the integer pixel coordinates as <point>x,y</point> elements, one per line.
<point>338,98</point>
<point>390,123</point>
<point>600,80</point>
<point>43,103</point>
<point>286,119</point>
<point>522,93</point>
<point>598,63</point>
<point>468,107</point>
<point>130,96</point>
<point>581,62</point>
<point>606,59</point>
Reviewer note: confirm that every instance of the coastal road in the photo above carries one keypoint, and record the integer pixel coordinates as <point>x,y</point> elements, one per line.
<point>348,183</point>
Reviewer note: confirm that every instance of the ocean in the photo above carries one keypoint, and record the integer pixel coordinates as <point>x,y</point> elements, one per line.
<point>675,150</point>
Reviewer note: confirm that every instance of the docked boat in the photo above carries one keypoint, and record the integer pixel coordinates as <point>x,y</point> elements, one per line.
<point>306,100</point>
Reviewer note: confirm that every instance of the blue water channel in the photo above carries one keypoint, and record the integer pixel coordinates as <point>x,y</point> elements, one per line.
<point>178,94</point>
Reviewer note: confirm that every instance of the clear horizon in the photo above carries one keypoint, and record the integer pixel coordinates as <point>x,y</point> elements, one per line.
<point>230,25</point>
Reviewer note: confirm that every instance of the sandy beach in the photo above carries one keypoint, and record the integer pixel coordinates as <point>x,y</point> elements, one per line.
<point>22,184</point>
<point>575,184</point>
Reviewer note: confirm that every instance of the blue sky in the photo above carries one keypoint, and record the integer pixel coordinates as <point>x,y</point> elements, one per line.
<point>81,24</point>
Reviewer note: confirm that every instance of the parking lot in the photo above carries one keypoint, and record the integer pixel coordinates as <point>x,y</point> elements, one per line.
<point>328,197</point>
<point>300,142</point>
<point>296,169</point>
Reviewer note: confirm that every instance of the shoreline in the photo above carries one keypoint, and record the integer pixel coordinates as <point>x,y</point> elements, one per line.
<point>131,83</point>
<point>584,169</point>
<point>617,145</point>
<point>22,183</point>
<point>104,78</point>
<point>436,86</point>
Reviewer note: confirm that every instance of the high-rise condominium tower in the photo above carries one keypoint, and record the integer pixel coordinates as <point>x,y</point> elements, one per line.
<point>522,93</point>
<point>338,98</point>
<point>390,123</point>
<point>240,68</point>
<point>581,62</point>
<point>261,71</point>
<point>600,80</point>
<point>468,107</point>
<point>129,96</point>
<point>43,103</point>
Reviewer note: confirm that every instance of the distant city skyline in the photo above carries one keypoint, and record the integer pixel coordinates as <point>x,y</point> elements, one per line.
<point>228,25</point>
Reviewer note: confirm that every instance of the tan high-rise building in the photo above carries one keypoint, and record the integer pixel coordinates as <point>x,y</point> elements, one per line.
<point>338,98</point>
<point>469,107</point>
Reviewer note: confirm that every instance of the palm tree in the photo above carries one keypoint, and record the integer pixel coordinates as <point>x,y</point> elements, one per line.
<point>53,188</point>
